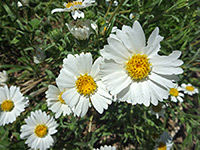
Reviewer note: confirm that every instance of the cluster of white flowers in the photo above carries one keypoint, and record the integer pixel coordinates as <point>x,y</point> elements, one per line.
<point>177,96</point>
<point>128,70</point>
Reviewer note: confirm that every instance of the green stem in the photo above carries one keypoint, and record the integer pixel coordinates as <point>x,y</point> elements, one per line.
<point>116,10</point>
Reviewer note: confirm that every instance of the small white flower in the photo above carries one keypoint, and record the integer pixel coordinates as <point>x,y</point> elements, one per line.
<point>158,110</point>
<point>81,30</point>
<point>134,71</point>
<point>164,142</point>
<point>39,57</point>
<point>115,3</point>
<point>3,77</point>
<point>106,148</point>
<point>189,89</point>
<point>175,94</point>
<point>74,7</point>
<point>38,130</point>
<point>81,77</point>
<point>55,102</point>
<point>12,104</point>
<point>25,2</point>
<point>132,15</point>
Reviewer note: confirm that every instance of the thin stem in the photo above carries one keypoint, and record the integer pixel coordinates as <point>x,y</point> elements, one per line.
<point>116,10</point>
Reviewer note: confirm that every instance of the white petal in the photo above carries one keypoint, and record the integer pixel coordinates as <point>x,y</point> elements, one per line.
<point>59,10</point>
<point>71,97</point>
<point>77,14</point>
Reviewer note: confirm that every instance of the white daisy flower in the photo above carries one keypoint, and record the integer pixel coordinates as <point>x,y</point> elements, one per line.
<point>84,85</point>
<point>175,94</point>
<point>164,142</point>
<point>158,110</point>
<point>38,130</point>
<point>81,30</point>
<point>74,7</point>
<point>134,71</point>
<point>55,102</point>
<point>3,77</point>
<point>106,148</point>
<point>12,104</point>
<point>189,89</point>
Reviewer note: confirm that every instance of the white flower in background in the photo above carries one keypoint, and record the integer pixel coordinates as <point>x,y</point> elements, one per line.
<point>132,15</point>
<point>106,148</point>
<point>158,110</point>
<point>81,30</point>
<point>134,71</point>
<point>164,142</point>
<point>12,104</point>
<point>81,77</point>
<point>189,89</point>
<point>115,3</point>
<point>38,130</point>
<point>175,94</point>
<point>3,77</point>
<point>74,7</point>
<point>39,57</point>
<point>55,102</point>
<point>25,2</point>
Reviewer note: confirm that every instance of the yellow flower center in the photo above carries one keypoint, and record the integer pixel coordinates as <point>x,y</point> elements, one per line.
<point>162,146</point>
<point>157,108</point>
<point>190,88</point>
<point>61,99</point>
<point>72,4</point>
<point>174,92</point>
<point>138,66</point>
<point>41,130</point>
<point>69,4</point>
<point>85,84</point>
<point>7,105</point>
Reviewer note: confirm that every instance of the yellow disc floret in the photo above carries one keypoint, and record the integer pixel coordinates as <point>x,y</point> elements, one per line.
<point>138,66</point>
<point>72,4</point>
<point>61,99</point>
<point>157,108</point>
<point>190,88</point>
<point>85,84</point>
<point>162,146</point>
<point>173,92</point>
<point>7,105</point>
<point>69,4</point>
<point>41,130</point>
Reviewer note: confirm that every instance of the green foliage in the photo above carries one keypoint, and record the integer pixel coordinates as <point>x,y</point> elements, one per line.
<point>24,29</point>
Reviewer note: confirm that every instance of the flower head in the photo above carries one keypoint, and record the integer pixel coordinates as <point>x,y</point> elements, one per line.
<point>189,89</point>
<point>3,77</point>
<point>158,110</point>
<point>55,101</point>
<point>74,7</point>
<point>105,147</point>
<point>38,130</point>
<point>134,71</point>
<point>175,94</point>
<point>164,142</point>
<point>81,30</point>
<point>81,77</point>
<point>12,104</point>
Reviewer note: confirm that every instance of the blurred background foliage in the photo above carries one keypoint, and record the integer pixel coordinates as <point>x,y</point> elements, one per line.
<point>25,29</point>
